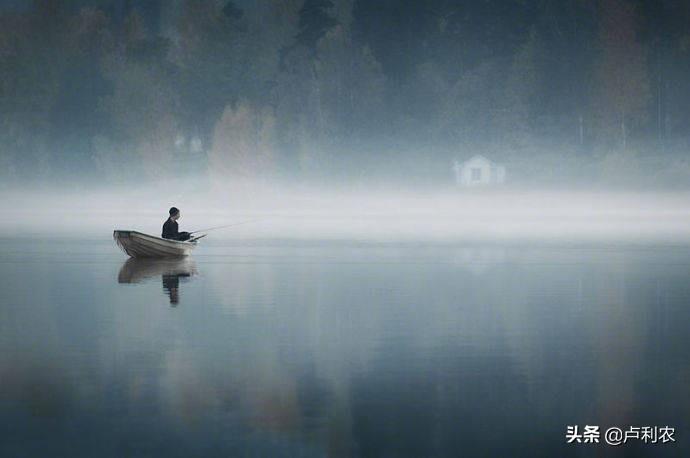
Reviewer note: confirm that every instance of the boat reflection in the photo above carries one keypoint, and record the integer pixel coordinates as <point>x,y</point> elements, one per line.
<point>170,270</point>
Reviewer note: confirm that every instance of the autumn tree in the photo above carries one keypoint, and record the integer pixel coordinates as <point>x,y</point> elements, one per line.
<point>243,143</point>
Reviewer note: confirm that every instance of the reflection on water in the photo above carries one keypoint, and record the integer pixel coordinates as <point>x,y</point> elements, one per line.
<point>356,351</point>
<point>171,270</point>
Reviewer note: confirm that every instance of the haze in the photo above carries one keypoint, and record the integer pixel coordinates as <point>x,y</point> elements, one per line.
<point>347,119</point>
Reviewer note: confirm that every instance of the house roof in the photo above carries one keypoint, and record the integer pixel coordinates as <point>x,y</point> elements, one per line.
<point>477,157</point>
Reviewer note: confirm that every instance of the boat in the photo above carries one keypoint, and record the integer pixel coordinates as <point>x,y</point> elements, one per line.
<point>140,245</point>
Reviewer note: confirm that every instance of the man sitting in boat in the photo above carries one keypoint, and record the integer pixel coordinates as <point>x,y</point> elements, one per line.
<point>170,227</point>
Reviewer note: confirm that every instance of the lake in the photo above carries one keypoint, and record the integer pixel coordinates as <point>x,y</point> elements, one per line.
<point>341,349</point>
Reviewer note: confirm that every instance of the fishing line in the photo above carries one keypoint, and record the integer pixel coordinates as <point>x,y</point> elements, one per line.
<point>223,227</point>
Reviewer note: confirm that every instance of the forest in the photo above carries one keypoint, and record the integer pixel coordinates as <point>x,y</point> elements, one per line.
<point>583,92</point>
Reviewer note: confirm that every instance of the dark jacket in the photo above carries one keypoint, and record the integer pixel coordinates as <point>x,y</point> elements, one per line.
<point>170,231</point>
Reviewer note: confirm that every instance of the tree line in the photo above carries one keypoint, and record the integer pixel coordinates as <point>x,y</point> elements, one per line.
<point>123,90</point>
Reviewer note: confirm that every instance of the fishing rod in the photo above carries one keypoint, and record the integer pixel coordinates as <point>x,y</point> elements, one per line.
<point>223,227</point>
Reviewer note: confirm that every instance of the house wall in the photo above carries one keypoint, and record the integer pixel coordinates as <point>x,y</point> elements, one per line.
<point>500,174</point>
<point>484,167</point>
<point>489,173</point>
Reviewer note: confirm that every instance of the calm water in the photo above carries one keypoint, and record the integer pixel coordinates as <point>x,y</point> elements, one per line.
<point>340,350</point>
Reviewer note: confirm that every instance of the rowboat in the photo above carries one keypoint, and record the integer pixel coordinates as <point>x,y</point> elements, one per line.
<point>140,245</point>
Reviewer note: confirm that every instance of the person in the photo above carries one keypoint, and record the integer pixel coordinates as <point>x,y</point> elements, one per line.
<point>170,227</point>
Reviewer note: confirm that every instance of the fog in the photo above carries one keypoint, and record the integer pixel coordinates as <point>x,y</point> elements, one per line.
<point>375,216</point>
<point>347,119</point>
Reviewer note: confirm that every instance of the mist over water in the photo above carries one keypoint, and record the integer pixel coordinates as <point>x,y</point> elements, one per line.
<point>377,215</point>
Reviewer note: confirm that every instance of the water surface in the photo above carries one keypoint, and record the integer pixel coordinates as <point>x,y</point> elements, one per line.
<point>340,349</point>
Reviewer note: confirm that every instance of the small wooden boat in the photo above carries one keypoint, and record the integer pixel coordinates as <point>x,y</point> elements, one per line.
<point>140,245</point>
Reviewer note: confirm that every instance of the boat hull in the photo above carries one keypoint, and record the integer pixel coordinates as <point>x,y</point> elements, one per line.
<point>140,245</point>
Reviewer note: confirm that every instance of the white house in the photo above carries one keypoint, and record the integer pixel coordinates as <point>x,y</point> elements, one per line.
<point>193,145</point>
<point>478,171</point>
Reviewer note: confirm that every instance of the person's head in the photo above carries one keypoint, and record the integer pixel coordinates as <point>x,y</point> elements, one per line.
<point>174,213</point>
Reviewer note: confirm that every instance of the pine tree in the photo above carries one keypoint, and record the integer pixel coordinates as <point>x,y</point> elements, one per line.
<point>520,89</point>
<point>623,85</point>
<point>314,22</point>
